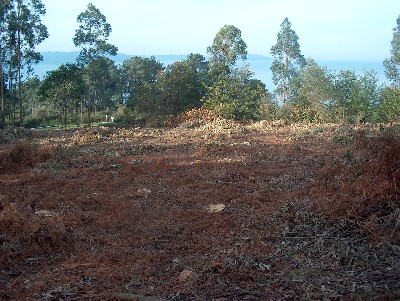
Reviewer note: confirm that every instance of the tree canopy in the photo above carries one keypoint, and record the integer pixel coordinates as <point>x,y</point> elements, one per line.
<point>91,37</point>
<point>392,64</point>
<point>144,89</point>
<point>288,59</point>
<point>227,47</point>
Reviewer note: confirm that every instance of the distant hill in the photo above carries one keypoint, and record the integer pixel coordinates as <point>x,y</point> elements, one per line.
<point>58,57</point>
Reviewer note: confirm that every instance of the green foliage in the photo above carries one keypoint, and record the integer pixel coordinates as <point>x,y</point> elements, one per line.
<point>231,93</point>
<point>235,96</point>
<point>22,30</point>
<point>392,64</point>
<point>64,88</point>
<point>315,90</point>
<point>31,88</point>
<point>288,60</point>
<point>227,47</point>
<point>390,104</point>
<point>91,37</point>
<point>105,83</point>
<point>355,96</point>
<point>182,85</point>
<point>139,76</point>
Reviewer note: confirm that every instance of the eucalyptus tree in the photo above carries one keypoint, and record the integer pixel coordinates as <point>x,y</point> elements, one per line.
<point>392,64</point>
<point>91,37</point>
<point>5,6</point>
<point>227,47</point>
<point>25,31</point>
<point>63,88</point>
<point>288,59</point>
<point>230,92</point>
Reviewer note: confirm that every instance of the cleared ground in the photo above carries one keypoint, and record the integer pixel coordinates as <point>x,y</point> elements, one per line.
<point>203,211</point>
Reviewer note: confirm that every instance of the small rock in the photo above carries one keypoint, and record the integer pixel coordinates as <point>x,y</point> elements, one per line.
<point>186,276</point>
<point>144,192</point>
<point>213,208</point>
<point>45,213</point>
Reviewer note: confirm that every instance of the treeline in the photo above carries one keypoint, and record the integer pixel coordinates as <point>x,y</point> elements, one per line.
<point>142,90</point>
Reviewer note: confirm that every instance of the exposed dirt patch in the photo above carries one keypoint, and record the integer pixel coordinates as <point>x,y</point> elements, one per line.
<point>204,211</point>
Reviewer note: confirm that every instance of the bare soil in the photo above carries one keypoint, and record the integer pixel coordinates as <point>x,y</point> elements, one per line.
<point>203,211</point>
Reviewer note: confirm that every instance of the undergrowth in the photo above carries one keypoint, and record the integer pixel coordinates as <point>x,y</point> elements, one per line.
<point>24,155</point>
<point>365,184</point>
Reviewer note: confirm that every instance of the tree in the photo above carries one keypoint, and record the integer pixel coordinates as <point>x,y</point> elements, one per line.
<point>227,47</point>
<point>25,31</point>
<point>392,64</point>
<point>91,37</point>
<point>390,103</point>
<point>181,88</point>
<point>5,6</point>
<point>315,91</point>
<point>355,96</point>
<point>236,96</point>
<point>288,59</point>
<point>31,88</point>
<point>231,93</point>
<point>104,75</point>
<point>64,88</point>
<point>140,76</point>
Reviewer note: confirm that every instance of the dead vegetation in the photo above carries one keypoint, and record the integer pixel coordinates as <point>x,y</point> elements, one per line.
<point>206,210</point>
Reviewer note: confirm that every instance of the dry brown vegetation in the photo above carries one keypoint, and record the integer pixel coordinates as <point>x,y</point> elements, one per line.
<point>207,210</point>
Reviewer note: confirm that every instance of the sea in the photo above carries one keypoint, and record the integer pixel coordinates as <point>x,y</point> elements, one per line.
<point>260,65</point>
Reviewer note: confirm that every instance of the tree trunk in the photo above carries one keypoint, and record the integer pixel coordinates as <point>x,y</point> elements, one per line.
<point>81,111</point>
<point>2,113</point>
<point>89,102</point>
<point>285,79</point>
<point>21,114</point>
<point>11,117</point>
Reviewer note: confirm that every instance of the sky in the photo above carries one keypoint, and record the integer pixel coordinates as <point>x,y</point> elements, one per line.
<point>327,30</point>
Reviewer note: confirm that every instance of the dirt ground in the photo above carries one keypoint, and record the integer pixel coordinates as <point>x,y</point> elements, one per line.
<point>202,211</point>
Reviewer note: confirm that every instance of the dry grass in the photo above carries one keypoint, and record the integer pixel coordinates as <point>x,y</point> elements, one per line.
<point>305,213</point>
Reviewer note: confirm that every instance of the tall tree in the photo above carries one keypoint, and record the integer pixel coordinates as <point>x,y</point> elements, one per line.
<point>139,76</point>
<point>288,59</point>
<point>64,88</point>
<point>392,64</point>
<point>5,6</point>
<point>25,30</point>
<point>91,37</point>
<point>104,75</point>
<point>231,93</point>
<point>181,88</point>
<point>227,47</point>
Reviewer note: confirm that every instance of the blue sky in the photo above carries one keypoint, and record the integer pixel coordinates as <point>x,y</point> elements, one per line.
<point>336,30</point>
